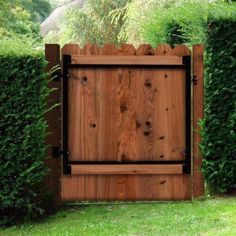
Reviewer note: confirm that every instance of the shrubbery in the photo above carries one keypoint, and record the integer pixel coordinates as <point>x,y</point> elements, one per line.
<point>23,89</point>
<point>219,126</point>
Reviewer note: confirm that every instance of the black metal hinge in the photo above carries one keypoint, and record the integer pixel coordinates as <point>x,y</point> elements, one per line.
<point>57,152</point>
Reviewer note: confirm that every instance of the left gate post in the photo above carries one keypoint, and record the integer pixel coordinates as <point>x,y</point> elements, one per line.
<point>53,178</point>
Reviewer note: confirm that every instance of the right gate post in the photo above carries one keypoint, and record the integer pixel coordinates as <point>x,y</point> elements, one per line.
<point>198,112</point>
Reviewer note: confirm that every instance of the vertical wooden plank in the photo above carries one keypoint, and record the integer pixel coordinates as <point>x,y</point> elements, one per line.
<point>145,107</point>
<point>52,181</point>
<point>107,103</point>
<point>108,79</point>
<point>163,110</point>
<point>126,125</point>
<point>83,110</point>
<point>198,112</point>
<point>90,125</point>
<point>126,120</point>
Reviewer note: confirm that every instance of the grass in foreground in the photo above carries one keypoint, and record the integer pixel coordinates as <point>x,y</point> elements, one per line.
<point>210,217</point>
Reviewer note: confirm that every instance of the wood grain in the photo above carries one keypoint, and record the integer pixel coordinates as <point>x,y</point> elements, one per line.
<point>126,169</point>
<point>126,114</point>
<point>198,112</point>
<point>126,110</point>
<point>126,60</point>
<point>126,187</point>
<point>146,92</point>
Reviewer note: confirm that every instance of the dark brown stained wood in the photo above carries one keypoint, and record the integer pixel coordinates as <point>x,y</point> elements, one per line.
<point>52,180</point>
<point>198,112</point>
<point>126,60</point>
<point>126,169</point>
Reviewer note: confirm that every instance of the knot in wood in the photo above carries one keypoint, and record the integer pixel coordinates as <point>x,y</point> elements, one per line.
<point>146,133</point>
<point>123,107</point>
<point>148,83</point>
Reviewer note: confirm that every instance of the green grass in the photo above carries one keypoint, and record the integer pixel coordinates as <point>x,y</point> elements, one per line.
<point>209,217</point>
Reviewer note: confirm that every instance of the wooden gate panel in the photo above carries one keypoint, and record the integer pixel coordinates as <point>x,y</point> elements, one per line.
<point>126,114</point>
<point>118,118</point>
<point>123,135</point>
<point>126,187</point>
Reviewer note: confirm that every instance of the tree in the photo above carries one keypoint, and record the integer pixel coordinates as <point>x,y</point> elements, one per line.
<point>93,23</point>
<point>38,9</point>
<point>21,17</point>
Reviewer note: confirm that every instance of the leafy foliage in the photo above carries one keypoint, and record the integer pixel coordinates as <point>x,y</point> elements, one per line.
<point>219,125</point>
<point>56,3</point>
<point>133,29</point>
<point>38,9</point>
<point>23,90</point>
<point>93,23</point>
<point>170,21</point>
<point>20,18</point>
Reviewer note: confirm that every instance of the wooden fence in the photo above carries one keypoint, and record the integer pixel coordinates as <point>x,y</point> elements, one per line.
<point>125,124</point>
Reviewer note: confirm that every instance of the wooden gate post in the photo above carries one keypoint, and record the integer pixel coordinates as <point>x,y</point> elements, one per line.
<point>198,111</point>
<point>52,181</point>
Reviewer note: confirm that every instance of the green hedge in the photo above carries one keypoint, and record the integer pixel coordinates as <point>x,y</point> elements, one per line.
<point>176,25</point>
<point>219,126</point>
<point>212,24</point>
<point>23,92</point>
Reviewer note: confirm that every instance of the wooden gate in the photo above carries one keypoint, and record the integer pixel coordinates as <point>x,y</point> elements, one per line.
<point>126,123</point>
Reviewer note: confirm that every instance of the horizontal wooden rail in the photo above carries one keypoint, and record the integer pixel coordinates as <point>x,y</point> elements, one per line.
<point>126,60</point>
<point>107,169</point>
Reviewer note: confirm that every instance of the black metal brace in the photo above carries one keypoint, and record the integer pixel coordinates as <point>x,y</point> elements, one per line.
<point>65,153</point>
<point>189,80</point>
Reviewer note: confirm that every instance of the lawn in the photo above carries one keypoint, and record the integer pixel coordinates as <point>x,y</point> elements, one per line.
<point>209,217</point>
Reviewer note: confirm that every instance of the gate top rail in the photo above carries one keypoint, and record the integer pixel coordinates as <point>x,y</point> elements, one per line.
<point>126,60</point>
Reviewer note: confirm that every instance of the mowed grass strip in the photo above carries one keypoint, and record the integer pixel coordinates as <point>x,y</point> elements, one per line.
<point>209,217</point>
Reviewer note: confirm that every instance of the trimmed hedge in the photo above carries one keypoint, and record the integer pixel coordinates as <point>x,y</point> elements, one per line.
<point>219,126</point>
<point>23,89</point>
